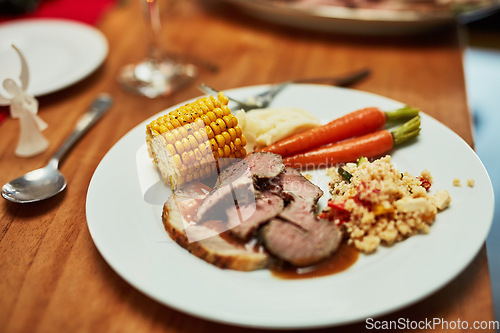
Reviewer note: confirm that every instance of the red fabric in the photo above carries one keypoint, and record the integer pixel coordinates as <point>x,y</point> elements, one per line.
<point>87,11</point>
<point>4,112</point>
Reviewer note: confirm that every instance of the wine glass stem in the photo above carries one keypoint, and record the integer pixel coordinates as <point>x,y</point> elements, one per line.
<point>153,25</point>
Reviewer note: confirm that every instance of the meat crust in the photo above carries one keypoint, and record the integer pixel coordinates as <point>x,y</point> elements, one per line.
<point>215,250</point>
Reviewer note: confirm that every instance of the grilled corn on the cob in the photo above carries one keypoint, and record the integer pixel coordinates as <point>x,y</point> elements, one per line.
<point>191,142</point>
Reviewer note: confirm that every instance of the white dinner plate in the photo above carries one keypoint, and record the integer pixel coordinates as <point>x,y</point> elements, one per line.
<point>128,232</point>
<point>58,52</point>
<point>360,21</point>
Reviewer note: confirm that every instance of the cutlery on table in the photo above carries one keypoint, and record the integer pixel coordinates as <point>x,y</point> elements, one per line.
<point>46,182</point>
<point>263,100</point>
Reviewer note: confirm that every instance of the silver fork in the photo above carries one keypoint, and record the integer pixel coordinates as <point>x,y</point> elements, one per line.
<point>265,98</point>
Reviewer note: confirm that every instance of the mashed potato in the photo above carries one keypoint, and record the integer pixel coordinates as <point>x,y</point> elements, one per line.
<point>381,205</point>
<point>263,127</point>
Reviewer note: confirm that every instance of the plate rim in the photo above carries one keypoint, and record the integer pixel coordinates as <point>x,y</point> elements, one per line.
<point>357,20</point>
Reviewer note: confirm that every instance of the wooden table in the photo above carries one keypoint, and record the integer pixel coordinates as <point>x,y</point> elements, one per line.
<point>52,277</point>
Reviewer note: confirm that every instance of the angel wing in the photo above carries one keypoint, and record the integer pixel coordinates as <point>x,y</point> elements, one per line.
<point>25,75</point>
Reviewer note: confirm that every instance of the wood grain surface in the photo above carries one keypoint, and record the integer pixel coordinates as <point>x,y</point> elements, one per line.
<point>53,279</point>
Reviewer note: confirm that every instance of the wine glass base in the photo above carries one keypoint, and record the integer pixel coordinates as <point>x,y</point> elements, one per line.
<point>154,79</point>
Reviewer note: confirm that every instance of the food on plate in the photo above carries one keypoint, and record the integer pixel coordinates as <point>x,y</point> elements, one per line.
<point>370,145</point>
<point>260,211</point>
<point>273,211</point>
<point>375,204</point>
<point>263,127</point>
<point>191,142</point>
<point>218,250</point>
<point>353,124</point>
<point>471,182</point>
<point>397,6</point>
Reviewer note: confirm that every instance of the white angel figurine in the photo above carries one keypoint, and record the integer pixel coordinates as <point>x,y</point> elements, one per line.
<point>25,107</point>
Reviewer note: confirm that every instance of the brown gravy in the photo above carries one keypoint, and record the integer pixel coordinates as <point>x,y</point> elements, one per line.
<point>344,258</point>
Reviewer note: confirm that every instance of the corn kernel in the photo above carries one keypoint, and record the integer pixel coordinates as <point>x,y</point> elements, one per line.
<point>213,144</point>
<point>210,132</point>
<point>227,137</point>
<point>183,131</point>
<point>177,161</point>
<point>192,141</point>
<point>222,124</point>
<point>175,123</point>
<point>237,144</point>
<point>199,137</point>
<point>169,137</point>
<point>212,116</point>
<point>234,120</point>
<point>222,98</point>
<point>238,131</point>
<point>205,148</point>
<point>171,149</point>
<point>206,120</point>
<point>169,126</point>
<point>232,133</point>
<point>186,144</point>
<point>197,154</point>
<point>202,105</point>
<point>208,103</point>
<point>215,127</point>
<point>220,140</point>
<point>228,121</point>
<point>218,112</point>
<point>226,110</point>
<point>179,147</point>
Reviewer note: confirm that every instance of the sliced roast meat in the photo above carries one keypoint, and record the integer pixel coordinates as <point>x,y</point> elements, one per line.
<point>235,184</point>
<point>217,250</point>
<point>255,196</point>
<point>298,210</point>
<point>232,173</point>
<point>267,205</point>
<point>258,165</point>
<point>293,182</point>
<point>234,191</point>
<point>301,245</point>
<point>265,165</point>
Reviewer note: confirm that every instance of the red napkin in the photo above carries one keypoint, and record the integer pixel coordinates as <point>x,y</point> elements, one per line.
<point>88,11</point>
<point>4,112</point>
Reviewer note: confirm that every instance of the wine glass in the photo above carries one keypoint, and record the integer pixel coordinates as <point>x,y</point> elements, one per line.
<point>156,75</point>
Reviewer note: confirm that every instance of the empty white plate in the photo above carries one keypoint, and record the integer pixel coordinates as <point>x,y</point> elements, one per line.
<point>58,52</point>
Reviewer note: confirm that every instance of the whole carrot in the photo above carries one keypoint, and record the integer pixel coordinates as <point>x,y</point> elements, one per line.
<point>369,145</point>
<point>353,124</point>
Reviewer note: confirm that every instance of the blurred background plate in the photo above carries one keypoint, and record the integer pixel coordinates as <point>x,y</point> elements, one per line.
<point>58,52</point>
<point>363,21</point>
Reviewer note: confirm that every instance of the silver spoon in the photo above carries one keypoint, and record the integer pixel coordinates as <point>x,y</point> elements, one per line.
<point>46,182</point>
